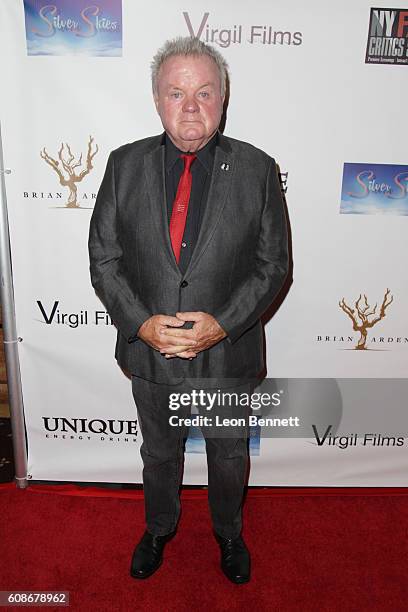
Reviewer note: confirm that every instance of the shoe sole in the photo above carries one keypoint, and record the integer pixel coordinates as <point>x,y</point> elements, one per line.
<point>139,577</point>
<point>239,580</point>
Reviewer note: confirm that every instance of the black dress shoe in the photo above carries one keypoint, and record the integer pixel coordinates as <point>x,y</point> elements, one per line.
<point>235,559</point>
<point>148,555</point>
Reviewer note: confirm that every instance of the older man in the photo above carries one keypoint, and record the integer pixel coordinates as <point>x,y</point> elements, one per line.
<point>188,247</point>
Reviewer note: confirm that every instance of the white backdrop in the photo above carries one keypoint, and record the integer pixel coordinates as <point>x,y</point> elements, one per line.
<point>313,106</point>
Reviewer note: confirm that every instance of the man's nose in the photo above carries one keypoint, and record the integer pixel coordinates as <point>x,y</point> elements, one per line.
<point>190,105</point>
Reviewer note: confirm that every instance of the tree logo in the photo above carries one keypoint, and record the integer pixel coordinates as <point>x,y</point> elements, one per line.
<point>360,316</point>
<point>65,168</point>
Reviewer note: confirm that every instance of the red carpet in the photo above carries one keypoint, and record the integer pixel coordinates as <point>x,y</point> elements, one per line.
<point>337,550</point>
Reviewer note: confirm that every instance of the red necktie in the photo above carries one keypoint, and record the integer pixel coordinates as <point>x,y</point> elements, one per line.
<point>180,206</point>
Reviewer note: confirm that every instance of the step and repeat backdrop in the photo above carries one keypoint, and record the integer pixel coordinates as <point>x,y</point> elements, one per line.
<point>322,87</point>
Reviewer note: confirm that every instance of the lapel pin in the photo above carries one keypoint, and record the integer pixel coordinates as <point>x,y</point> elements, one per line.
<point>225,167</point>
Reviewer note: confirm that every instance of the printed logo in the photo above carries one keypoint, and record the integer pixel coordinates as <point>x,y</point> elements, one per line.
<point>327,438</point>
<point>74,27</point>
<point>103,430</point>
<point>237,34</point>
<point>364,317</point>
<point>70,171</point>
<point>387,36</point>
<point>283,178</point>
<point>54,314</point>
<point>370,189</point>
<point>195,443</point>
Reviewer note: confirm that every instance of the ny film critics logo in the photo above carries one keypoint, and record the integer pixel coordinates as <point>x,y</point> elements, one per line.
<point>74,27</point>
<point>238,34</point>
<point>374,189</point>
<point>363,316</point>
<point>70,170</point>
<point>387,36</point>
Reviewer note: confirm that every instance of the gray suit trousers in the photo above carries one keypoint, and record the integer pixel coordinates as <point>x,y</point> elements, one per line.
<point>162,453</point>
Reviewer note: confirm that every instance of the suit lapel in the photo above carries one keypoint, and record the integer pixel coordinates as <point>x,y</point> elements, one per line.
<point>221,181</point>
<point>155,181</point>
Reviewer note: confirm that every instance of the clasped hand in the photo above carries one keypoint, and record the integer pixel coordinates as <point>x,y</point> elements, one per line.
<point>162,333</point>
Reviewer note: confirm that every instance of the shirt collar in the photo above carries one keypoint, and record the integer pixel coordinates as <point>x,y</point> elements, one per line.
<point>205,155</point>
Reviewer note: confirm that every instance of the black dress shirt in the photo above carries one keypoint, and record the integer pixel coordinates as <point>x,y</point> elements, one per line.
<point>201,170</point>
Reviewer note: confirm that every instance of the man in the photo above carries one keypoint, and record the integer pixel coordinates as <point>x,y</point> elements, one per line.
<point>188,247</point>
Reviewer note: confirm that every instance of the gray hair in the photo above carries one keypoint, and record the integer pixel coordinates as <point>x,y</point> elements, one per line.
<point>188,46</point>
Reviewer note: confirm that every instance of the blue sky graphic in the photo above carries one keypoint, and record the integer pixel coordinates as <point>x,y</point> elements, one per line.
<point>369,189</point>
<point>195,442</point>
<point>44,37</point>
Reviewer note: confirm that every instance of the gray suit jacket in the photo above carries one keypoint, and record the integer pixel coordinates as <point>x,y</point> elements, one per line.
<point>237,268</point>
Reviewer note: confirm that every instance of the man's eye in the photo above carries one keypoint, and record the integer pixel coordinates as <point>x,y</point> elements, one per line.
<point>204,94</point>
<point>176,94</point>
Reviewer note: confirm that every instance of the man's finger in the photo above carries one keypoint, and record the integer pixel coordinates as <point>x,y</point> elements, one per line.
<point>172,350</point>
<point>169,320</point>
<point>177,333</point>
<point>181,340</point>
<point>189,316</point>
<point>184,355</point>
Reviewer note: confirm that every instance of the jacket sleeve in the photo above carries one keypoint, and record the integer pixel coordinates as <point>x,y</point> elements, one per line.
<point>255,294</point>
<point>124,305</point>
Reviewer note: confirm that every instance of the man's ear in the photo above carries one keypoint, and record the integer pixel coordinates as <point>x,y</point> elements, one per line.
<point>156,101</point>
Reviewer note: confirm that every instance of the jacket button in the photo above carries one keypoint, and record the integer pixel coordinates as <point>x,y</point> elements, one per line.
<point>183,284</point>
